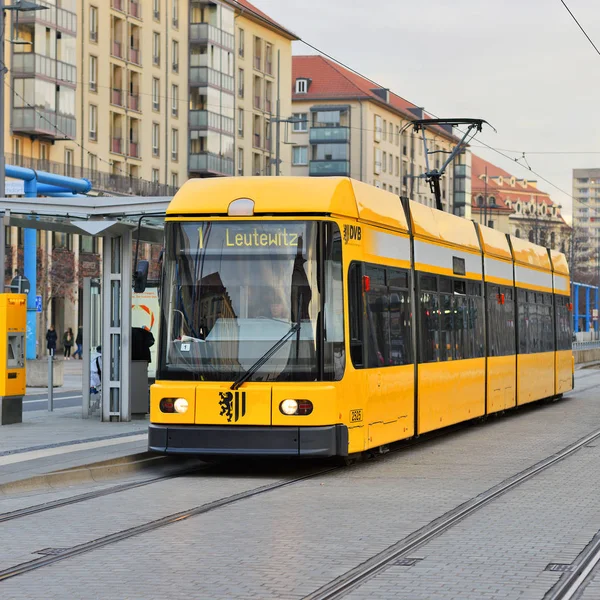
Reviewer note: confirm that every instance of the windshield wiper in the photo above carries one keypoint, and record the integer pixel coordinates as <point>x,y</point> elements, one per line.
<point>265,357</point>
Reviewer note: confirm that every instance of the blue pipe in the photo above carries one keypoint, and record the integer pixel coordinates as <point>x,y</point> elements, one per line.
<point>43,189</point>
<point>63,195</point>
<point>576,311</point>
<point>587,309</point>
<point>30,271</point>
<point>81,186</point>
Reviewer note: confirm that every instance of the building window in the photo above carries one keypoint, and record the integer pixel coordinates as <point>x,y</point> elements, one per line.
<point>155,93</point>
<point>377,163</point>
<point>241,44</point>
<point>241,122</point>
<point>175,14</point>
<point>301,86</point>
<point>155,175</point>
<point>93,73</point>
<point>44,152</point>
<point>390,165</point>
<point>377,184</point>
<point>378,128</point>
<point>384,162</point>
<point>174,180</point>
<point>155,139</point>
<point>93,24</point>
<point>156,10</point>
<point>175,55</point>
<point>92,163</point>
<point>397,171</point>
<point>268,59</point>
<point>257,53</point>
<point>391,134</point>
<point>300,122</point>
<point>69,163</point>
<point>93,117</point>
<point>299,155</point>
<point>240,161</point>
<point>17,151</point>
<point>174,144</point>
<point>175,100</point>
<point>88,244</point>
<point>241,83</point>
<point>384,132</point>
<point>155,48</point>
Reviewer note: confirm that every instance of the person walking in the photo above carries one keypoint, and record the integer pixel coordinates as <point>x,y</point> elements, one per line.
<point>79,342</point>
<point>51,338</point>
<point>68,343</point>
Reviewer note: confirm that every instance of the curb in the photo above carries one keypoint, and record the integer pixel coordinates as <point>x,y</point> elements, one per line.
<point>93,473</point>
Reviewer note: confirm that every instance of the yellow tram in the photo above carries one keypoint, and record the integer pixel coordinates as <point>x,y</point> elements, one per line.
<point>322,317</point>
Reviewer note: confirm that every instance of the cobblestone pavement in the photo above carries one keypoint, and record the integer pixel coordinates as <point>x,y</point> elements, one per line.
<point>286,544</point>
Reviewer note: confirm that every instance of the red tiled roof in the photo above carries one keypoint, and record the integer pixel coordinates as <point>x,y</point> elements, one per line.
<point>244,5</point>
<point>503,192</point>
<point>329,80</point>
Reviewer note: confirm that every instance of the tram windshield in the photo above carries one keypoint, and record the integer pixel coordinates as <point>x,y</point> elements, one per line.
<point>232,290</point>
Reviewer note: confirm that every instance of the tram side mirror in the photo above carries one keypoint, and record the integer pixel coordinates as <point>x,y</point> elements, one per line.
<point>140,277</point>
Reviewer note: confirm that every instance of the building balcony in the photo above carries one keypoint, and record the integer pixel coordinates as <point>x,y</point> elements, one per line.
<point>116,145</point>
<point>117,97</point>
<point>43,123</point>
<point>59,18</point>
<point>133,102</point>
<point>329,135</point>
<point>118,5</point>
<point>203,33</point>
<point>135,10</point>
<point>117,49</point>
<point>205,76</point>
<point>322,168</point>
<point>43,66</point>
<point>206,162</point>
<point>205,119</point>
<point>135,56</point>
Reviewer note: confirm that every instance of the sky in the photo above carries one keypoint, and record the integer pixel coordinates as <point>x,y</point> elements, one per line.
<point>522,65</point>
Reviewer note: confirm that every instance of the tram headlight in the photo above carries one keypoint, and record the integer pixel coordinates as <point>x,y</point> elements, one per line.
<point>288,407</point>
<point>181,405</point>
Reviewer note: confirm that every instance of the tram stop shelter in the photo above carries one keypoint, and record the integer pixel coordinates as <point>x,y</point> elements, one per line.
<point>116,221</point>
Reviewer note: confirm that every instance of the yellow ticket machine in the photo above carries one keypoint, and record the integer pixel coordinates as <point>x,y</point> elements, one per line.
<point>13,332</point>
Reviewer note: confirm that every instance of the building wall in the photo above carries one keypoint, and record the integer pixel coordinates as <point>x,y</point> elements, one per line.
<point>369,144</point>
<point>586,219</point>
<point>254,155</point>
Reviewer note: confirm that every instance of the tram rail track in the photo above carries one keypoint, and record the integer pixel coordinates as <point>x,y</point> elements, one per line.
<point>125,534</point>
<point>354,578</point>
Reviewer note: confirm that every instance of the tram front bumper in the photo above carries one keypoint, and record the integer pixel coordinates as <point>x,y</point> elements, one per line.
<point>213,440</point>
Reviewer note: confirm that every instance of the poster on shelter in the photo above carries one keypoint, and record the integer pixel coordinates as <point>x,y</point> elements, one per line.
<point>145,313</point>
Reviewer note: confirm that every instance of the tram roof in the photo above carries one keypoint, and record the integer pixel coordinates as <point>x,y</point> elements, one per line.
<point>529,254</point>
<point>494,242</point>
<point>443,227</point>
<point>559,262</point>
<point>339,196</point>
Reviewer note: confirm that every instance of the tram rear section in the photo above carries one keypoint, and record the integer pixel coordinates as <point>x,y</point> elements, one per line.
<point>324,317</point>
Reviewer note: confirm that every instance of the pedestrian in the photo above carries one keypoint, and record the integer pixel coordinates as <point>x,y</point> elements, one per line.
<point>79,342</point>
<point>68,343</point>
<point>51,338</point>
<point>96,371</point>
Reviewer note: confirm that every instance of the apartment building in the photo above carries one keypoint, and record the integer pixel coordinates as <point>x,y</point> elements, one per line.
<point>586,220</point>
<point>263,79</point>
<point>515,205</point>
<point>344,125</point>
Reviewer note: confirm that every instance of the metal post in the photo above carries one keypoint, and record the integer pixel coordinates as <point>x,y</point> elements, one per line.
<point>51,381</point>
<point>30,264</point>
<point>576,308</point>
<point>87,334</point>
<point>587,309</point>
<point>2,172</point>
<point>278,130</point>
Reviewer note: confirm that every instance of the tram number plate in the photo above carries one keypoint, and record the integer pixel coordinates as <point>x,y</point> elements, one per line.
<point>356,416</point>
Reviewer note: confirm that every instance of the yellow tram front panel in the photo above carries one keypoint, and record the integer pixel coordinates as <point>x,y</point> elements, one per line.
<point>173,390</point>
<point>218,404</point>
<point>450,392</point>
<point>501,383</point>
<point>535,377</point>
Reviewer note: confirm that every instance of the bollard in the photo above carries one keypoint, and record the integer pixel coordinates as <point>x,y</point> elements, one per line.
<point>51,381</point>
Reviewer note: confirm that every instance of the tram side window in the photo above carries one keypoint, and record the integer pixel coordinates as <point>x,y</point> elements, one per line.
<point>564,331</point>
<point>501,320</point>
<point>536,329</point>
<point>335,358</point>
<point>451,321</point>
<point>380,317</point>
